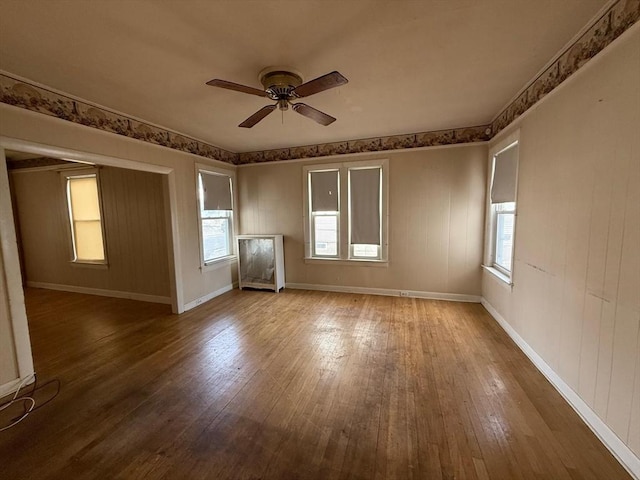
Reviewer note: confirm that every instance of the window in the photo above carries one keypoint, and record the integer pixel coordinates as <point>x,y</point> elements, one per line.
<point>85,218</point>
<point>215,213</point>
<point>365,212</point>
<point>325,212</point>
<point>503,208</point>
<point>345,211</point>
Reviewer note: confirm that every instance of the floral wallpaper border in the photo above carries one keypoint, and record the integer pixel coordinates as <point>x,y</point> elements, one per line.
<point>376,144</point>
<point>38,99</point>
<point>615,21</point>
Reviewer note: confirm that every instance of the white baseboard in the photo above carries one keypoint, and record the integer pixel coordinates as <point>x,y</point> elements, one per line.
<point>453,297</point>
<point>617,447</point>
<point>209,296</point>
<point>142,297</point>
<point>10,387</point>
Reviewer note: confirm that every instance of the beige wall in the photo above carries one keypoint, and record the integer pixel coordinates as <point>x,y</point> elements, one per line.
<point>576,293</point>
<point>134,226</point>
<point>436,221</point>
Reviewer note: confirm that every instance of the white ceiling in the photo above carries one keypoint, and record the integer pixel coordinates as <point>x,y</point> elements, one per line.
<point>413,66</point>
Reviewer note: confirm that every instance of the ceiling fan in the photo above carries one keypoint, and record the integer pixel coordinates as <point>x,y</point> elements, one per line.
<point>284,86</point>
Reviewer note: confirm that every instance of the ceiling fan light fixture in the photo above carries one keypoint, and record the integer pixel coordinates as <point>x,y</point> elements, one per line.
<point>283,105</point>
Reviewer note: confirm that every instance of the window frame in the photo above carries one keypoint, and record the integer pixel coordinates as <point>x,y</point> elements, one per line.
<point>84,172</point>
<point>207,265</point>
<point>491,226</point>
<point>345,248</point>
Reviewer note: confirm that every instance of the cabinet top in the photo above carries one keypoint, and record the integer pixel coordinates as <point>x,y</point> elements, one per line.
<point>241,237</point>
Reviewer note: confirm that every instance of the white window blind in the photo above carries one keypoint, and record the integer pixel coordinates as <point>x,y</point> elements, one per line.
<point>86,223</point>
<point>365,214</point>
<point>324,191</point>
<point>216,191</point>
<point>505,171</point>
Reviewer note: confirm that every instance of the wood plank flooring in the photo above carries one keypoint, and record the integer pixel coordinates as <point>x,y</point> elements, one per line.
<point>296,385</point>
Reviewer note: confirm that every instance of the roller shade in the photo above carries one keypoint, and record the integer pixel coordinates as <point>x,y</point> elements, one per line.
<point>505,172</point>
<point>216,191</point>
<point>364,194</point>
<point>324,191</point>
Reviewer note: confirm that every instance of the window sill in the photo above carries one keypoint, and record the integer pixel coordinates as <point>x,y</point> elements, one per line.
<point>219,263</point>
<point>499,275</point>
<point>96,265</point>
<point>352,262</point>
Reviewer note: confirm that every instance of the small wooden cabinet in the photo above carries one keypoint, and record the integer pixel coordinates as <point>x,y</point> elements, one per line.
<point>261,262</point>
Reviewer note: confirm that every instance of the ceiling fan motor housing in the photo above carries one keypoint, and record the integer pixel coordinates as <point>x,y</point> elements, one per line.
<point>279,84</point>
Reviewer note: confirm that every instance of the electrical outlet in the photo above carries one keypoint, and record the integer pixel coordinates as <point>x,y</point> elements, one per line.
<point>404,293</point>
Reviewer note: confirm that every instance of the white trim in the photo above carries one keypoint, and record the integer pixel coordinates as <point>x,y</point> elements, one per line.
<point>13,277</point>
<point>504,279</point>
<point>173,242</point>
<point>10,387</point>
<point>142,297</point>
<point>205,298</point>
<point>388,292</point>
<point>221,262</point>
<point>617,447</point>
<point>78,155</point>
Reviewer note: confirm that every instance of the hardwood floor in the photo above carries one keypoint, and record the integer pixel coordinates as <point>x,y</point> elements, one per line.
<point>296,385</point>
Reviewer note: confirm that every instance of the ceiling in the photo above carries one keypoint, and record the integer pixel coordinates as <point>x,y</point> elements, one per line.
<point>413,66</point>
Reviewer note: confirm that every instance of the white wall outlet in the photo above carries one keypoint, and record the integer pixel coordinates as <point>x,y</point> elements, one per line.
<point>404,293</point>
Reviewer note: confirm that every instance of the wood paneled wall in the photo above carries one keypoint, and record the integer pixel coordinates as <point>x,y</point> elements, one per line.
<point>576,293</point>
<point>134,225</point>
<point>436,221</point>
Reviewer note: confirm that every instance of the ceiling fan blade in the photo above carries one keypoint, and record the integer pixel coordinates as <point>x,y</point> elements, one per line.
<point>237,87</point>
<point>256,117</point>
<point>320,84</point>
<point>314,114</point>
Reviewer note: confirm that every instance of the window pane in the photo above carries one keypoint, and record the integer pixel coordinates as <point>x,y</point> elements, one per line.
<point>364,250</point>
<point>325,235</point>
<point>504,239</point>
<point>216,213</point>
<point>505,207</point>
<point>88,237</point>
<point>215,238</point>
<point>84,198</point>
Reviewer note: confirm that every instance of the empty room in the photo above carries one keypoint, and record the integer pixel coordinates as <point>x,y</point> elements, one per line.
<point>320,239</point>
